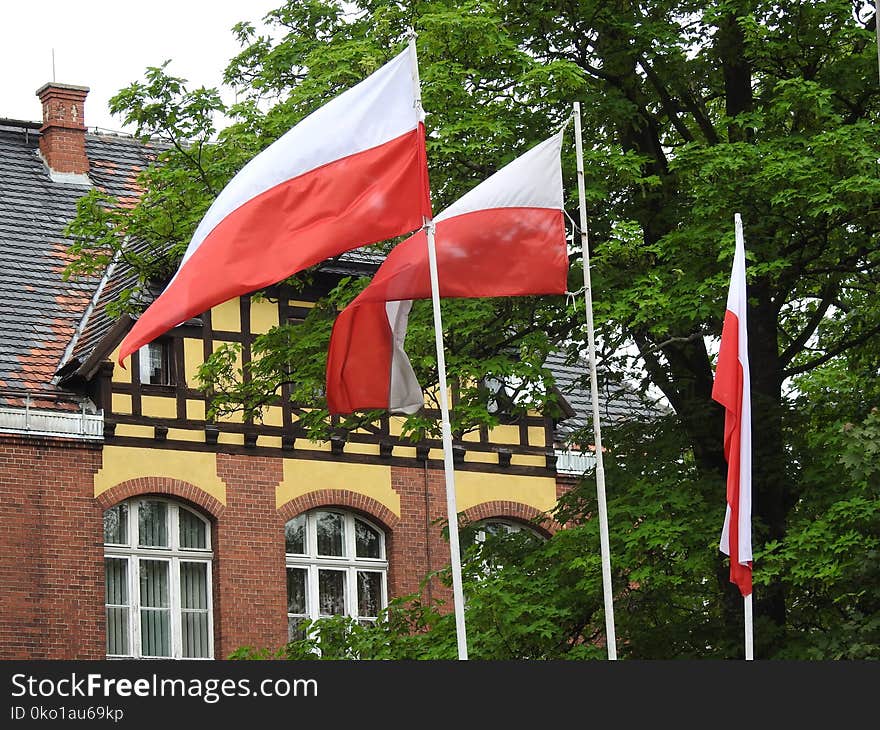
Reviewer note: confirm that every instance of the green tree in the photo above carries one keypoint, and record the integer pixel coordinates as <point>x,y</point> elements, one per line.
<point>691,114</point>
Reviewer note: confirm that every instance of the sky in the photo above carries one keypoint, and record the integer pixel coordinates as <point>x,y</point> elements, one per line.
<point>107,44</point>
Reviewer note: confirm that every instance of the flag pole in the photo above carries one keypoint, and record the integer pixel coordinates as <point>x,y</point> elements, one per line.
<point>876,31</point>
<point>747,600</point>
<point>446,429</point>
<point>611,640</point>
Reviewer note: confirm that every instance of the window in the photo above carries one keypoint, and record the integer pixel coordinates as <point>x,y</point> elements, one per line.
<point>480,530</point>
<point>157,566</point>
<point>335,565</point>
<point>155,363</point>
<point>478,535</point>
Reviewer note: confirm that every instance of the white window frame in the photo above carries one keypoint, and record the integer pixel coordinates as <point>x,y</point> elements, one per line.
<point>174,554</point>
<point>348,563</point>
<point>510,526</point>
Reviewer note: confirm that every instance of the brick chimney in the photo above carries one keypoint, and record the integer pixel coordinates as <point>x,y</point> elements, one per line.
<point>63,134</point>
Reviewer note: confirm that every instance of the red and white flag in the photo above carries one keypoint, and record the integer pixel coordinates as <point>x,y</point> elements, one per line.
<point>732,390</point>
<point>506,237</point>
<point>351,173</point>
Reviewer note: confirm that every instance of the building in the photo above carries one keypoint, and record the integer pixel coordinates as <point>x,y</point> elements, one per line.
<point>131,525</point>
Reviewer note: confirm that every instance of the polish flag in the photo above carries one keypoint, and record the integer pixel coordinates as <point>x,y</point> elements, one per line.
<point>351,173</point>
<point>732,390</point>
<point>506,237</point>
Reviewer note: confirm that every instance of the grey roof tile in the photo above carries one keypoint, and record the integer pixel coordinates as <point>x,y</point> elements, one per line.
<point>39,310</point>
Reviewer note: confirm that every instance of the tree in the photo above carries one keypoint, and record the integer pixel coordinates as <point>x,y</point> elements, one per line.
<point>691,114</point>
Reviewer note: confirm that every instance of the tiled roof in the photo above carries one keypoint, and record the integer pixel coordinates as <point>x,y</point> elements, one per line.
<point>616,402</point>
<point>39,312</point>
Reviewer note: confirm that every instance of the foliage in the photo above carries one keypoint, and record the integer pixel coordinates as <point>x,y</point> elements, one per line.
<point>690,114</point>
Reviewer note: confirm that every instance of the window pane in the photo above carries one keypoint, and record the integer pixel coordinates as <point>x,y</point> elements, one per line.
<point>116,525</point>
<point>194,585</point>
<point>295,536</point>
<point>117,631</point>
<point>116,598</point>
<point>294,632</point>
<point>155,361</point>
<point>330,533</point>
<point>369,587</point>
<point>296,590</point>
<point>193,531</point>
<point>367,540</point>
<point>194,634</point>
<point>331,592</point>
<point>154,583</point>
<point>155,632</point>
<point>153,524</point>
<point>155,624</point>
<point>116,581</point>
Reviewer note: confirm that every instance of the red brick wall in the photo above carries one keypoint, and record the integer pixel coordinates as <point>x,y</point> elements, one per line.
<point>417,545</point>
<point>51,553</point>
<point>250,594</point>
<point>63,135</point>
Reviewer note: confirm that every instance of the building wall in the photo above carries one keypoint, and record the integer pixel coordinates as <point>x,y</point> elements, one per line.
<point>55,491</point>
<point>51,553</point>
<point>248,478</point>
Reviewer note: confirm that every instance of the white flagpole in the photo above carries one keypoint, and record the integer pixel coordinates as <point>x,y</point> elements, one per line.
<point>594,397</point>
<point>747,607</point>
<point>876,30</point>
<point>747,600</point>
<point>451,510</point>
<point>449,469</point>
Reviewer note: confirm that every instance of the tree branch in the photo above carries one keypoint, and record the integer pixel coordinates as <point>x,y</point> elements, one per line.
<point>832,353</point>
<point>798,342</point>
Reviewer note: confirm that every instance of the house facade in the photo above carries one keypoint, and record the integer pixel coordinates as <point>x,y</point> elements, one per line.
<point>131,523</point>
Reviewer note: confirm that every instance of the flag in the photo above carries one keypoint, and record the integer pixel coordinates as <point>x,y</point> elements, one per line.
<point>351,173</point>
<point>732,390</point>
<point>506,237</point>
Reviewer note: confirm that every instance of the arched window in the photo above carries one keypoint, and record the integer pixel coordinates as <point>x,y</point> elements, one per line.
<point>500,527</point>
<point>157,566</point>
<point>336,565</point>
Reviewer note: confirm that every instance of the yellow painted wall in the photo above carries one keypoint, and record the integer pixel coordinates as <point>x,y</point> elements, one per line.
<point>156,406</point>
<point>122,463</point>
<point>121,403</point>
<point>527,460</point>
<point>302,477</point>
<point>120,374</point>
<point>195,410</point>
<point>473,488</point>
<point>481,457</point>
<point>226,316</point>
<point>273,416</point>
<point>370,449</point>
<point>193,357</point>
<point>264,316</point>
<point>537,436</point>
<point>186,434</point>
<point>135,430</point>
<point>504,435</point>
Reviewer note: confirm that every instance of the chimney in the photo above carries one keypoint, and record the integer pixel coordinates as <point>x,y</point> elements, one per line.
<point>63,134</point>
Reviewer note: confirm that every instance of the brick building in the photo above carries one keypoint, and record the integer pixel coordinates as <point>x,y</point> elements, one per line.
<point>132,526</point>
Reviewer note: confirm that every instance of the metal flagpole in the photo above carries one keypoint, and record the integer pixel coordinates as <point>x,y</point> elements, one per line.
<point>877,30</point>
<point>594,396</point>
<point>451,510</point>
<point>449,469</point>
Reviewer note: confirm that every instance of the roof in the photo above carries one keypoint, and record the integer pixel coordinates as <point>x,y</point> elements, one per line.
<point>617,403</point>
<point>39,311</point>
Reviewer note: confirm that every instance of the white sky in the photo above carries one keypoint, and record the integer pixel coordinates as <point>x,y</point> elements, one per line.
<point>107,44</point>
